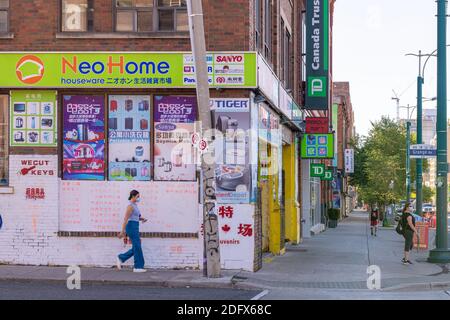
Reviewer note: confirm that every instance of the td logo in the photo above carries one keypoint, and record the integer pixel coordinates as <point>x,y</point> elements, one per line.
<point>30,69</point>
<point>317,86</point>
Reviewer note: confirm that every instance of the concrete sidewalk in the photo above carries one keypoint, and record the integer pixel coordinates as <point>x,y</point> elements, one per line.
<point>335,259</point>
<point>338,259</point>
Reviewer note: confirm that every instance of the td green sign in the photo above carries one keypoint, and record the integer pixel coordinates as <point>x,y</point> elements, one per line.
<point>317,170</point>
<point>124,70</point>
<point>317,146</point>
<point>328,175</point>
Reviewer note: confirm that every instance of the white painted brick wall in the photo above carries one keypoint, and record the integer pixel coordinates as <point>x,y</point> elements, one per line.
<point>29,233</point>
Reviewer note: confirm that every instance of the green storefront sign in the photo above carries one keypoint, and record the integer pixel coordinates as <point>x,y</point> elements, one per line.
<point>124,70</point>
<point>33,118</point>
<point>317,170</point>
<point>328,175</point>
<point>317,54</point>
<point>317,146</point>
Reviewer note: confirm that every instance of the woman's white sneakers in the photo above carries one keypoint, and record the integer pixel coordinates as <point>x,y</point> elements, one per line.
<point>118,263</point>
<point>139,270</point>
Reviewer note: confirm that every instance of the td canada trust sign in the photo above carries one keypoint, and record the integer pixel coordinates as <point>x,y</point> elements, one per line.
<point>317,54</point>
<point>123,70</point>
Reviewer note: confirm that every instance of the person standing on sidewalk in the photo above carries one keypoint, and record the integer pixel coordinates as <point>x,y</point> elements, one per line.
<point>374,216</point>
<point>409,231</point>
<point>130,228</point>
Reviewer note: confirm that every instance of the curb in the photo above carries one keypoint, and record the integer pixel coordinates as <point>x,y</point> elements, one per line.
<point>419,286</point>
<point>150,283</point>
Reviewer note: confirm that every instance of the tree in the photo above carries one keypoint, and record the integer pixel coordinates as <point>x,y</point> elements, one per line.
<point>427,194</point>
<point>380,163</point>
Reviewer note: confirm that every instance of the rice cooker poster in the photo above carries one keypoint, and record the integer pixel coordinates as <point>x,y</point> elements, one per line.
<point>174,127</point>
<point>129,138</point>
<point>233,177</point>
<point>84,138</point>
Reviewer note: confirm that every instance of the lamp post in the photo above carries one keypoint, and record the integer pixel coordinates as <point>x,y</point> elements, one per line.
<point>441,254</point>
<point>419,162</point>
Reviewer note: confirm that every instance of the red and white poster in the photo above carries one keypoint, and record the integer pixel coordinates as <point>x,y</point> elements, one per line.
<point>236,236</point>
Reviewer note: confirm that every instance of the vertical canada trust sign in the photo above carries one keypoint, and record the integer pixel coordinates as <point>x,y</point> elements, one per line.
<point>317,54</point>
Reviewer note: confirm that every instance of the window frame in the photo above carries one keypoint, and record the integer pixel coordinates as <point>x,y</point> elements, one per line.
<point>6,124</point>
<point>89,18</point>
<point>258,25</point>
<point>136,10</point>
<point>165,8</point>
<point>7,10</point>
<point>267,41</point>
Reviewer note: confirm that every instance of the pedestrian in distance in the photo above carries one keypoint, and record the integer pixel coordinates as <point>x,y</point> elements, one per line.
<point>374,216</point>
<point>130,228</point>
<point>409,231</point>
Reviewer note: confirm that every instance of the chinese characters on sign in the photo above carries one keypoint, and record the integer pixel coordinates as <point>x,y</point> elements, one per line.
<point>129,138</point>
<point>236,234</point>
<point>35,193</point>
<point>317,146</point>
<point>174,126</point>
<point>84,138</point>
<point>33,118</point>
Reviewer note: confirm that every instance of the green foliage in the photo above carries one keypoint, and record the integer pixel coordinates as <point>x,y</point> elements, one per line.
<point>427,193</point>
<point>380,159</point>
<point>334,214</point>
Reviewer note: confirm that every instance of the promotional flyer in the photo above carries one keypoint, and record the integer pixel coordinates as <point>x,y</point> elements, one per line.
<point>129,138</point>
<point>232,119</point>
<point>174,126</point>
<point>84,138</point>
<point>33,119</point>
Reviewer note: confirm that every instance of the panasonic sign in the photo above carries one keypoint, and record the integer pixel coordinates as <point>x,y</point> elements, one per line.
<point>317,54</point>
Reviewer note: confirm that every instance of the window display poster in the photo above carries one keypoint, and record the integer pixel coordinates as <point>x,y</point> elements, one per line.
<point>33,119</point>
<point>233,178</point>
<point>84,138</point>
<point>174,156</point>
<point>129,138</point>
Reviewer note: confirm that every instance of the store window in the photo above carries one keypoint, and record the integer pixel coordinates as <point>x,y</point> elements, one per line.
<point>172,15</point>
<point>77,15</point>
<point>4,16</point>
<point>4,140</point>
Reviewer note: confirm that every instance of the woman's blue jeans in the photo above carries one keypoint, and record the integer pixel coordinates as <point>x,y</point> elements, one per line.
<point>132,231</point>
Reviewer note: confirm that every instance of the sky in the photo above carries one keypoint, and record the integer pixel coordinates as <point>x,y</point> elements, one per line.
<point>370,40</point>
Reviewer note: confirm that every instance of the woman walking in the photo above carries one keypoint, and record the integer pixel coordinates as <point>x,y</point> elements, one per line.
<point>409,231</point>
<point>374,216</point>
<point>130,228</point>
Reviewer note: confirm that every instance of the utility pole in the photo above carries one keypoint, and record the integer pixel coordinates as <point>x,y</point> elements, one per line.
<point>210,220</point>
<point>441,254</point>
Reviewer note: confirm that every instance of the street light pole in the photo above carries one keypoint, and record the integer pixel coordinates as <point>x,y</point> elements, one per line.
<point>441,254</point>
<point>408,173</point>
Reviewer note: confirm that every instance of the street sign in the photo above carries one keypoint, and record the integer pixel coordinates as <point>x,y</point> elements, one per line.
<point>317,170</point>
<point>420,151</point>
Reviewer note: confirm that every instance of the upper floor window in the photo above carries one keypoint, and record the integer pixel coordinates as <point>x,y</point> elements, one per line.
<point>268,29</point>
<point>151,15</point>
<point>4,16</point>
<point>77,16</point>
<point>172,15</point>
<point>258,24</point>
<point>134,15</point>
